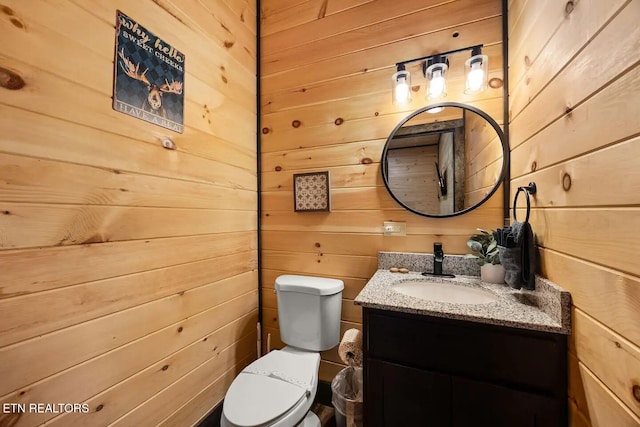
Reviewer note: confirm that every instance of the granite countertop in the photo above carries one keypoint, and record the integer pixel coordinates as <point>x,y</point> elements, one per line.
<point>547,309</point>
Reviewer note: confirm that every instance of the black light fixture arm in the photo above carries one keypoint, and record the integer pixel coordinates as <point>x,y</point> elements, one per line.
<point>475,47</point>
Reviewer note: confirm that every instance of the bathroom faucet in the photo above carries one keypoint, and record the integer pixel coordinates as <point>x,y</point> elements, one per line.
<point>438,257</point>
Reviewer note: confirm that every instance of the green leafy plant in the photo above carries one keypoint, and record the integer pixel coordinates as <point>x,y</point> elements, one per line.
<point>484,247</point>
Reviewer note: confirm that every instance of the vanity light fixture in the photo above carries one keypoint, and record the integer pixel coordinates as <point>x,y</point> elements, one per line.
<point>434,69</point>
<point>401,85</point>
<point>476,70</point>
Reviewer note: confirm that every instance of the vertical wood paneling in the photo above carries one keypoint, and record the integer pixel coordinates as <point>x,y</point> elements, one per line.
<point>574,127</point>
<point>127,272</point>
<point>325,105</point>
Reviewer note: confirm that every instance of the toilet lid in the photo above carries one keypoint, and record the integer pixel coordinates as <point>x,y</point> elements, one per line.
<point>270,386</point>
<point>291,366</point>
<point>254,400</point>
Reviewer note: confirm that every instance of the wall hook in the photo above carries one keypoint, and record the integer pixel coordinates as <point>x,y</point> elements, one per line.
<point>442,180</point>
<point>168,143</point>
<point>531,188</point>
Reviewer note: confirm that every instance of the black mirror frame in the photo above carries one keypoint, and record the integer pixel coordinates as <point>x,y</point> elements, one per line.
<point>489,119</point>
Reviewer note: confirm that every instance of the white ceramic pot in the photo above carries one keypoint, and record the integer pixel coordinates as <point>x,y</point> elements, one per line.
<point>492,273</point>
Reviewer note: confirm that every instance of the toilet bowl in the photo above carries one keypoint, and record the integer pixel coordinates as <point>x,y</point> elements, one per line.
<point>278,389</point>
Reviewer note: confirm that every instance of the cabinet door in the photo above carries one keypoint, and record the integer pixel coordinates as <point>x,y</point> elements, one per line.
<point>482,404</point>
<point>398,396</point>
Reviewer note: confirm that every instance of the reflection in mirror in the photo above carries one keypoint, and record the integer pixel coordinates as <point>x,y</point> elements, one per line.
<point>444,163</point>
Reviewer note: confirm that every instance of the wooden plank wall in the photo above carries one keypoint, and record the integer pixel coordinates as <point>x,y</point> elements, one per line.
<point>574,74</point>
<point>413,177</point>
<point>483,158</point>
<point>127,272</point>
<point>326,71</point>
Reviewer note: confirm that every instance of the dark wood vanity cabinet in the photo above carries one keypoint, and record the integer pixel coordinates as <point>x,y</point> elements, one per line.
<point>432,372</point>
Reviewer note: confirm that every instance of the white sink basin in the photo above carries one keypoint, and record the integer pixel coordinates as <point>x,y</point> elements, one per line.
<point>445,292</point>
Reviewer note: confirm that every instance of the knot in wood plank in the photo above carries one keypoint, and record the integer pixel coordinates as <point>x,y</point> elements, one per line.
<point>10,79</point>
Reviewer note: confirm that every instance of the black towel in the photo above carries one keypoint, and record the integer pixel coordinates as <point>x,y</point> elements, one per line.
<point>511,260</point>
<point>525,241</point>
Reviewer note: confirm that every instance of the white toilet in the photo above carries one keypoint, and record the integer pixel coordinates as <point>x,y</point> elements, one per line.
<point>278,389</point>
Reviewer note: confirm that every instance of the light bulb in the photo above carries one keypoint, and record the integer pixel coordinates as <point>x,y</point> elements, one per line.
<point>436,86</point>
<point>476,69</point>
<point>401,90</point>
<point>475,78</point>
<point>436,74</point>
<point>401,86</point>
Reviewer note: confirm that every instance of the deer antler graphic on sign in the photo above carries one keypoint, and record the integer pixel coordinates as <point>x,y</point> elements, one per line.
<point>153,101</point>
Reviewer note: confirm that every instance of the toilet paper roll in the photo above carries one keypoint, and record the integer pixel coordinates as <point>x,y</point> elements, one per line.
<point>350,348</point>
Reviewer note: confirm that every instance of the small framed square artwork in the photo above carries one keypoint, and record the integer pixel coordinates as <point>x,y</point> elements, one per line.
<point>311,192</point>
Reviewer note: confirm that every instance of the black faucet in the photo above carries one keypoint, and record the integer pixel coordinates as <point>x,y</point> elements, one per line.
<point>438,257</point>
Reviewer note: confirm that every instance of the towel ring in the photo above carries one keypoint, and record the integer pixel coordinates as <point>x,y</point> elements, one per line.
<point>527,190</point>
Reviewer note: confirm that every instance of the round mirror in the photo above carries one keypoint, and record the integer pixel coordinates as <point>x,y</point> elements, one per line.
<point>444,160</point>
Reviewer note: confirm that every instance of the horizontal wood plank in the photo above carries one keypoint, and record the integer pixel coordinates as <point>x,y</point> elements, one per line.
<point>341,199</point>
<point>192,411</point>
<point>341,81</point>
<point>340,265</point>
<point>32,180</point>
<point>282,17</point>
<point>574,184</point>
<point>133,389</point>
<point>537,22</point>
<point>572,33</point>
<point>245,11</point>
<point>362,96</point>
<point>360,244</point>
<point>88,146</point>
<point>367,152</point>
<point>613,359</point>
<point>218,23</point>
<point>33,225</point>
<point>609,296</point>
<point>34,270</point>
<point>604,408</point>
<point>363,175</point>
<point>187,40</point>
<point>36,314</point>
<point>345,54</point>
<point>226,347</point>
<point>570,115</point>
<point>372,221</point>
<point>25,365</point>
<point>82,381</point>
<point>169,400</point>
<point>358,17</point>
<point>597,235</point>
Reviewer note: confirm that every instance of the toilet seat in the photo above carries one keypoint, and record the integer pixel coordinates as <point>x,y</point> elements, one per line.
<point>277,385</point>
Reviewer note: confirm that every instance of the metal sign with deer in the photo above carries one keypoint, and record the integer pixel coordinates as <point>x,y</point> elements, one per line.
<point>153,102</point>
<point>142,57</point>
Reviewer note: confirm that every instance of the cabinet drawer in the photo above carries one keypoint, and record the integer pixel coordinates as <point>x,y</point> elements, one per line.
<point>528,360</point>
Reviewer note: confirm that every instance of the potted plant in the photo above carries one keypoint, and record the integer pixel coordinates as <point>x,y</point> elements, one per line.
<point>485,250</point>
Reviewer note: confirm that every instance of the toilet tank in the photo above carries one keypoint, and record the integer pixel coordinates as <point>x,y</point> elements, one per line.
<point>309,311</point>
